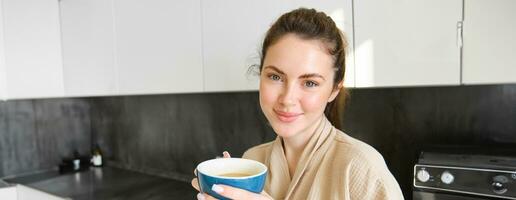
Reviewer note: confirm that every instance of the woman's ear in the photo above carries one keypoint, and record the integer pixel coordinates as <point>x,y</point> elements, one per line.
<point>336,91</point>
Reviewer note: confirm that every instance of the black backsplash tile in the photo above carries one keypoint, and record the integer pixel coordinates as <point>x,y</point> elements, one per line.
<point>36,134</point>
<point>19,127</point>
<point>175,132</point>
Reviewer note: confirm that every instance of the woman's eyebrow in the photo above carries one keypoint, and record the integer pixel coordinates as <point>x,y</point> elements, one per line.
<point>304,76</point>
<point>275,69</point>
<point>312,75</point>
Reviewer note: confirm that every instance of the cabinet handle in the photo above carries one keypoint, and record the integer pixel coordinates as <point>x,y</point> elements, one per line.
<point>459,34</point>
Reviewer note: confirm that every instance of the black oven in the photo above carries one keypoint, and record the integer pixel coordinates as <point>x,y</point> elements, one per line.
<point>447,176</point>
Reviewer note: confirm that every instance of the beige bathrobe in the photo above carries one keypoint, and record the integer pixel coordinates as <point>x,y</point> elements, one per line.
<point>333,165</point>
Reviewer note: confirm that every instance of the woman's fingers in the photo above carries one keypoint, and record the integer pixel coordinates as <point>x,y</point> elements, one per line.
<point>195,184</point>
<point>225,154</point>
<point>202,196</point>
<point>236,193</point>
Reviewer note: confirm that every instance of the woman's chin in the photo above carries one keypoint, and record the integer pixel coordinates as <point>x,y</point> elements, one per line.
<point>285,131</point>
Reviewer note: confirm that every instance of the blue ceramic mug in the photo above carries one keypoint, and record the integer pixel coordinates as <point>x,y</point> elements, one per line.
<point>236,172</point>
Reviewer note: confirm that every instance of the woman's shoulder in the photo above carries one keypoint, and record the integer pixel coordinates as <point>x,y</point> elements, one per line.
<point>357,151</point>
<point>258,152</point>
<point>366,168</point>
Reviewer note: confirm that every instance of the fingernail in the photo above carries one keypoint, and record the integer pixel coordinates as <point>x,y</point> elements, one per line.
<point>200,196</point>
<point>217,188</point>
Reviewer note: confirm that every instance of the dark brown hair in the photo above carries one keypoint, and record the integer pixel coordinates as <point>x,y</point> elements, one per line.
<point>310,24</point>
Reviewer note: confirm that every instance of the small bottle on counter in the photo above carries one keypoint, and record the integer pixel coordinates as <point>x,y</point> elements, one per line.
<point>96,159</point>
<point>76,161</point>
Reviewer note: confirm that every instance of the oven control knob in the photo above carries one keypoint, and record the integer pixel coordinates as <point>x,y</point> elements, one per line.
<point>498,184</point>
<point>423,175</point>
<point>499,188</point>
<point>447,177</point>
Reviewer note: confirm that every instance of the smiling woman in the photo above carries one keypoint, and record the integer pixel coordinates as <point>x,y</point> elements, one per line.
<point>301,91</point>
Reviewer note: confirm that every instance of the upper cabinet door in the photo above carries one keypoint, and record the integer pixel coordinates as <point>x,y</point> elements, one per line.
<point>88,47</point>
<point>32,49</point>
<point>3,76</point>
<point>489,42</point>
<point>158,46</point>
<point>407,43</point>
<point>233,32</point>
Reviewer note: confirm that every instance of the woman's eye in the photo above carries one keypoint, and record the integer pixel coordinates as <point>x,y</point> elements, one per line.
<point>274,77</point>
<point>311,84</point>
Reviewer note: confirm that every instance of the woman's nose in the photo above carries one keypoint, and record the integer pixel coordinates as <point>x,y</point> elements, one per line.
<point>288,96</point>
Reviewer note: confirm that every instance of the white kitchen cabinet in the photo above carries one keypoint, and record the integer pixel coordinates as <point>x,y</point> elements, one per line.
<point>3,76</point>
<point>489,42</point>
<point>88,47</point>
<point>32,50</point>
<point>21,192</point>
<point>158,46</point>
<point>233,32</point>
<point>8,193</point>
<point>407,43</point>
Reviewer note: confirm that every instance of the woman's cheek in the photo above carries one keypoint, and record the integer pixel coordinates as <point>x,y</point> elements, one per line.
<point>267,96</point>
<point>313,103</point>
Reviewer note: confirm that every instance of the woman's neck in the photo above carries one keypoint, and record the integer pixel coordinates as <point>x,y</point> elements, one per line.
<point>295,145</point>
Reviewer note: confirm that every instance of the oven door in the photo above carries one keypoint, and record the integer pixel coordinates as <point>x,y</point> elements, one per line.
<point>424,195</point>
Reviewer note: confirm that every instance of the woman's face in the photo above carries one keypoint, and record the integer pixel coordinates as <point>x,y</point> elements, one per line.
<point>296,83</point>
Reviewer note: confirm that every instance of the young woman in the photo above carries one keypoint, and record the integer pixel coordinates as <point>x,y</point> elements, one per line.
<point>301,86</point>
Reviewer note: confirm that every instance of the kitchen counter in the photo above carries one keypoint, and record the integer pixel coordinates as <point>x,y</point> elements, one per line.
<point>3,184</point>
<point>107,183</point>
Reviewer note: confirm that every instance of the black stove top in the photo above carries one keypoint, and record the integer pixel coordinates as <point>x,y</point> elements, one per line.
<point>469,161</point>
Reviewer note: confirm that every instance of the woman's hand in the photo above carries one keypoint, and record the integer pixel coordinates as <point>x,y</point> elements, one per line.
<point>228,191</point>
<point>234,193</point>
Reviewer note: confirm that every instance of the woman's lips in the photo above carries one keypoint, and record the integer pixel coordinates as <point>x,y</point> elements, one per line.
<point>287,116</point>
